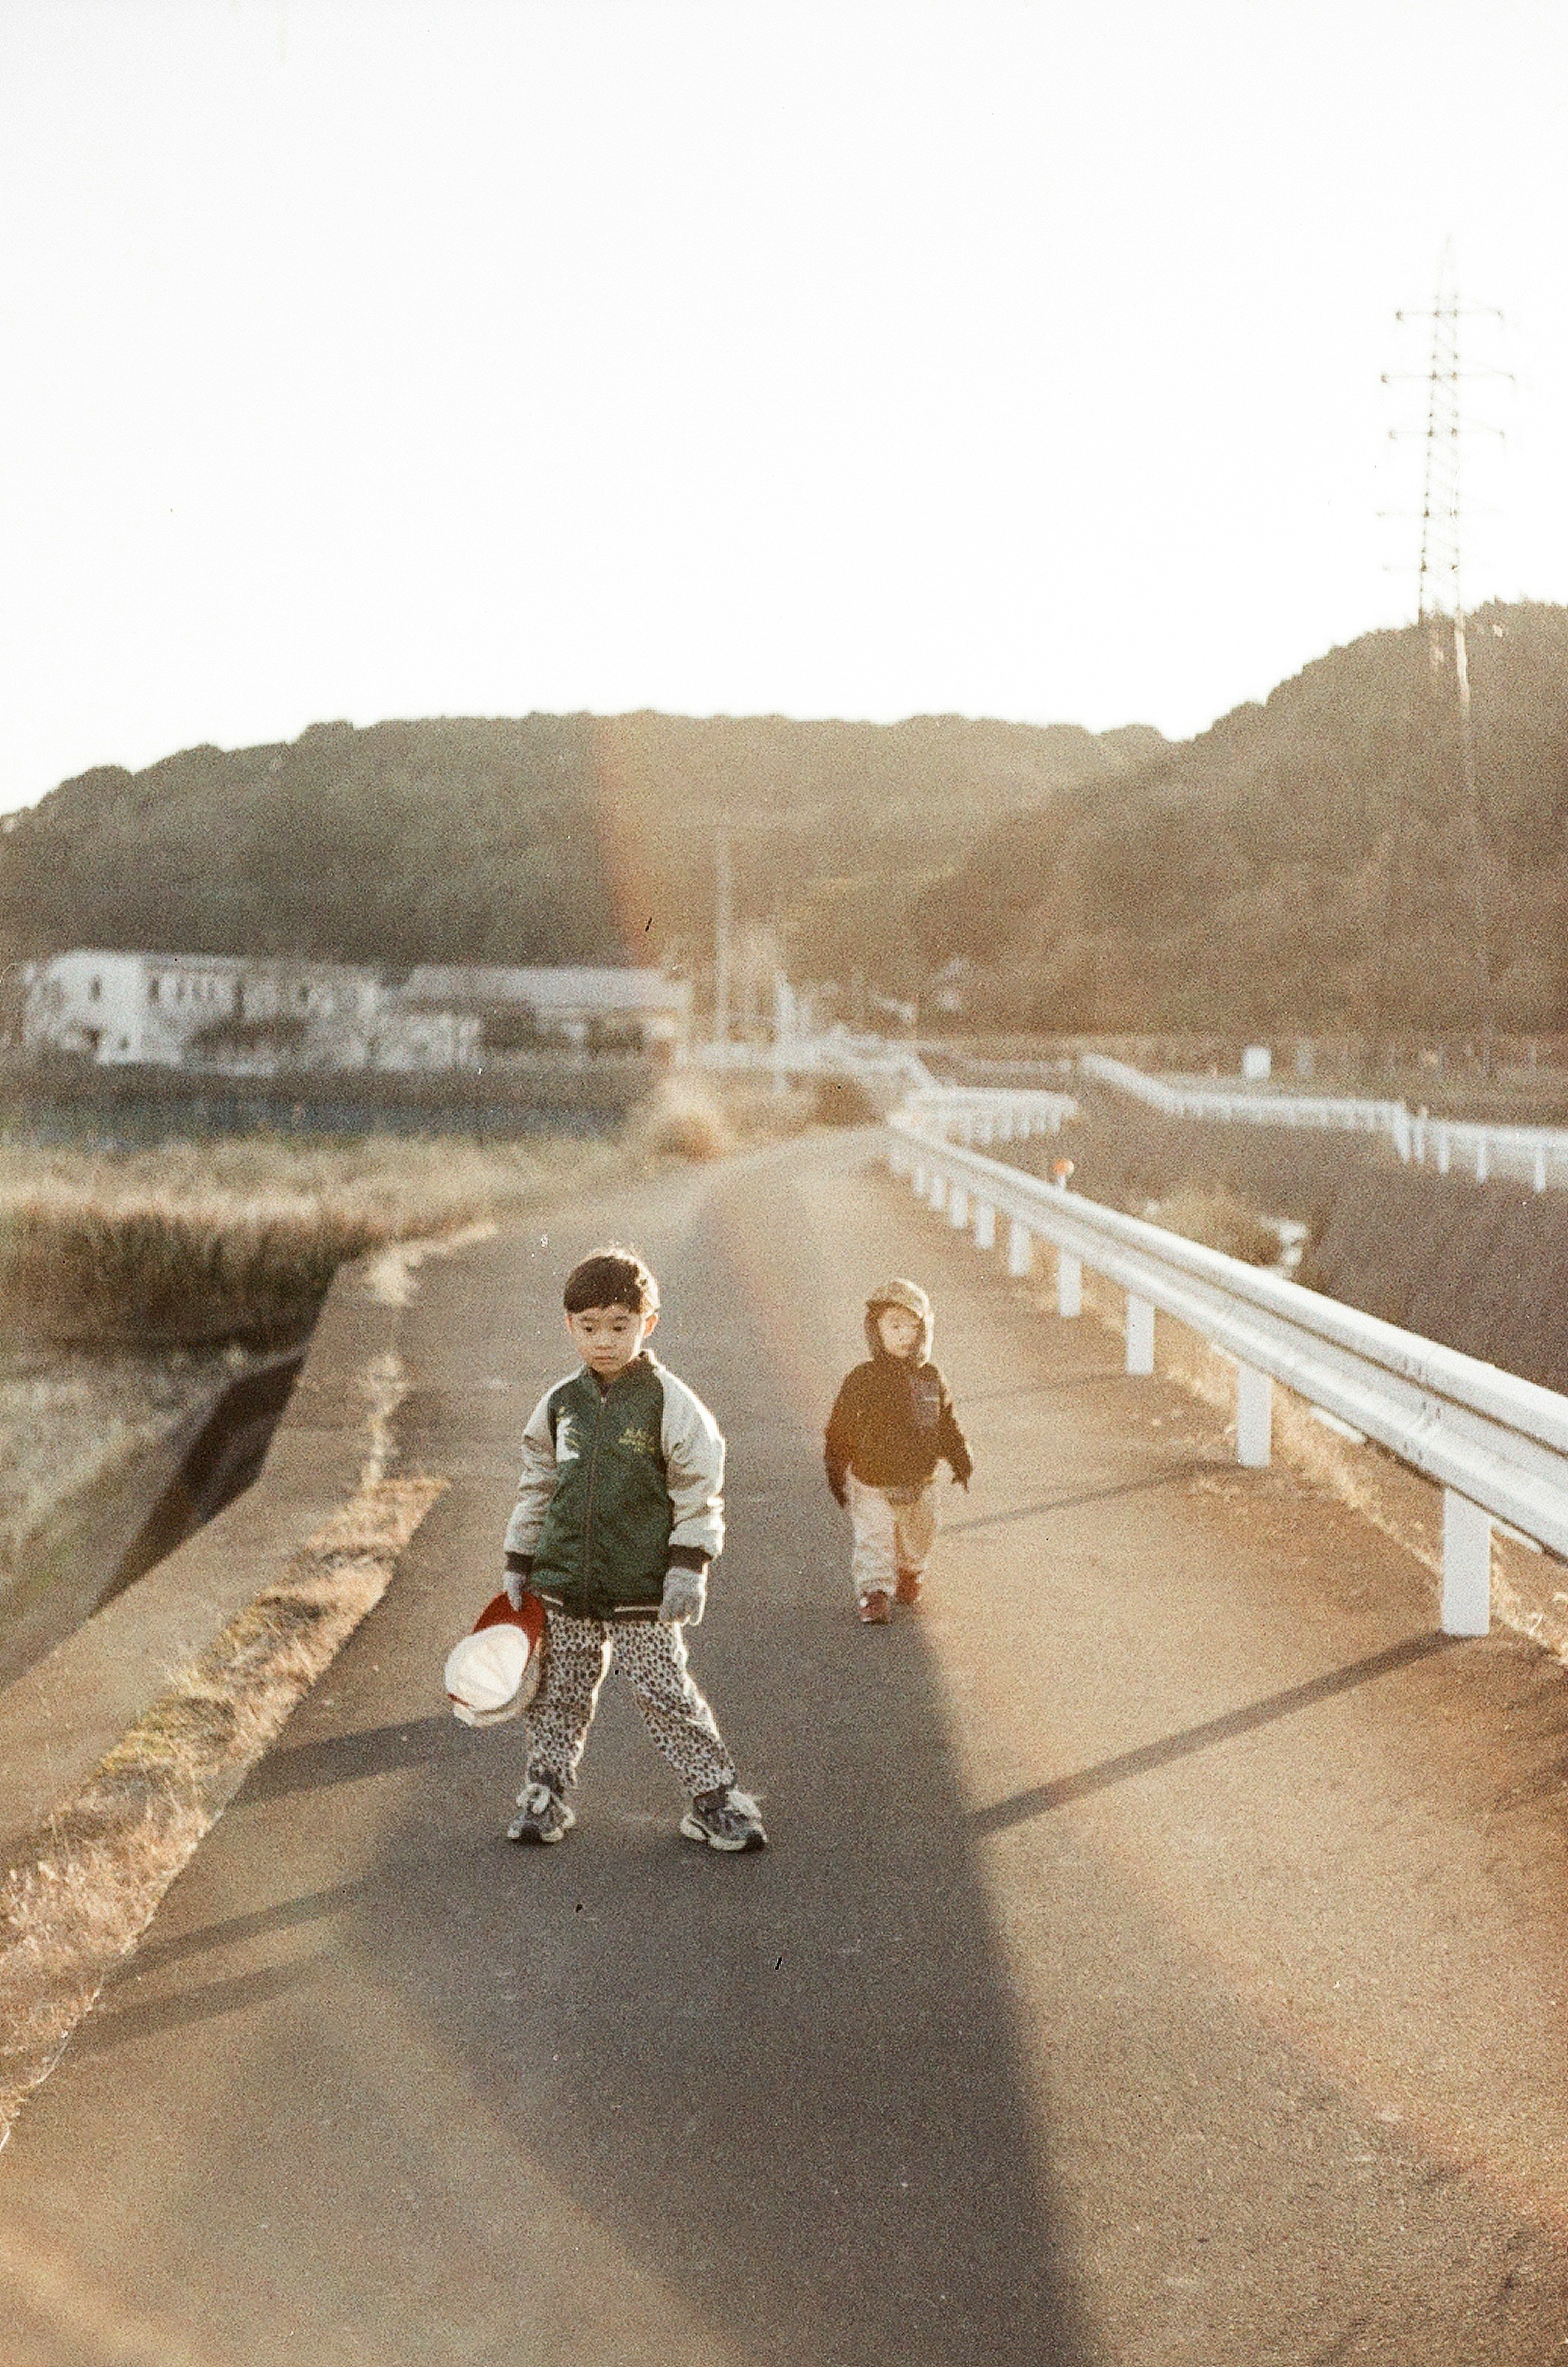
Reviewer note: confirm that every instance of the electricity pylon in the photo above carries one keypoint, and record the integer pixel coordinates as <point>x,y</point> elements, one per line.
<point>1439,574</point>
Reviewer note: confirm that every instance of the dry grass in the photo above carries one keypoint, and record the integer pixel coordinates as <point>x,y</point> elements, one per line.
<point>1220,1221</point>
<point>709,1118</point>
<point>687,1119</point>
<point>238,1239</point>
<point>90,1890</point>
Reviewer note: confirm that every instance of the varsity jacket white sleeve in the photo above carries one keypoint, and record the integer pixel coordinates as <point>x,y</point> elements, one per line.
<point>693,1445</point>
<point>536,1482</point>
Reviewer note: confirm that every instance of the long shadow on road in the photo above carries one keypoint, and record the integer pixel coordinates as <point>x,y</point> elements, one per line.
<point>1041,1798</point>
<point>793,2081</point>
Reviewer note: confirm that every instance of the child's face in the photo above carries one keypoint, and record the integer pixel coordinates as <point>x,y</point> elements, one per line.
<point>608,1338</point>
<point>899,1330</point>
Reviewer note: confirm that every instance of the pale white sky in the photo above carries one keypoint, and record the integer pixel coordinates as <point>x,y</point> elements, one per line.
<point>1005,356</point>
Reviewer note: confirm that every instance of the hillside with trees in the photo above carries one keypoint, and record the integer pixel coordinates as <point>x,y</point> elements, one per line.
<point>548,839</point>
<point>1309,863</point>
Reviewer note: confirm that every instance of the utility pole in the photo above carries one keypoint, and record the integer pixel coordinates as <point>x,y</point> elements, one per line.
<point>725,828</point>
<point>1440,575</point>
<point>723,930</point>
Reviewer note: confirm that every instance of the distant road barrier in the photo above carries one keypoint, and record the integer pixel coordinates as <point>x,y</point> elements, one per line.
<point>1496,1446</point>
<point>1336,1113</point>
<point>990,1113</point>
<point>1537,1154</point>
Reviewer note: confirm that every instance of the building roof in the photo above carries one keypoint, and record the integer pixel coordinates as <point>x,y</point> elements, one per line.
<point>577,988</point>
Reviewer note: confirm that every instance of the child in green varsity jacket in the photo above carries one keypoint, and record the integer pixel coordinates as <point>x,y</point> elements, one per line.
<point>892,1422</point>
<point>619,1513</point>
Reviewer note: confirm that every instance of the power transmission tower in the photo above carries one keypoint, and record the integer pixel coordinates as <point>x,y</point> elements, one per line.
<point>1439,574</point>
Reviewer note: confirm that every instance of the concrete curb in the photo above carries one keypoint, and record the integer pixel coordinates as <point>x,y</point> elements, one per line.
<point>60,1718</point>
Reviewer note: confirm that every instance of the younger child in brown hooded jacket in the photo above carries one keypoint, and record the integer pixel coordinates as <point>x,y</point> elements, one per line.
<point>892,1422</point>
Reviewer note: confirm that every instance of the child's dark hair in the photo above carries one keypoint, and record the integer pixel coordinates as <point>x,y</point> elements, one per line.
<point>613,1277</point>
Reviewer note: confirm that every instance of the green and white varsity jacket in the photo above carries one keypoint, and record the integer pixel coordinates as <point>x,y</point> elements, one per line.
<point>618,1486</point>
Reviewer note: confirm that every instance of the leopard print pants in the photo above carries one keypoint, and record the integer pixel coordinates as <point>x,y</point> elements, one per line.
<point>577,1657</point>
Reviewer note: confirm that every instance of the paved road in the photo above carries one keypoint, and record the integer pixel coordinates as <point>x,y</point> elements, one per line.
<point>1161,1957</point>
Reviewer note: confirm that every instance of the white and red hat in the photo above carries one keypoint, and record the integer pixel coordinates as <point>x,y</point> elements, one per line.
<point>494,1672</point>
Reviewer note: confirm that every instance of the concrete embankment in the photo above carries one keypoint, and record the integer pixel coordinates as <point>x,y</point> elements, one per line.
<point>60,1717</point>
<point>107,1462</point>
<point>1481,1267</point>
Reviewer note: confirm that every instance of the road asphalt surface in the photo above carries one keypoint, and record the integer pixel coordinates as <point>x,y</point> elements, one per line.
<point>1160,1956</point>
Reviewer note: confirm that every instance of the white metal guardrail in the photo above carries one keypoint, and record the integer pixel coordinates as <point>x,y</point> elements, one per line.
<point>1497,1445</point>
<point>1537,1154</point>
<point>990,1114</point>
<point>1336,1113</point>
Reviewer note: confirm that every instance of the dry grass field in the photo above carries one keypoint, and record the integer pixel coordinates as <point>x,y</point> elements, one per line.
<point>199,1244</point>
<point>134,1288</point>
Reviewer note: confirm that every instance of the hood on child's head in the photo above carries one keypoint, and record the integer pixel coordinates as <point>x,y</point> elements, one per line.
<point>900,1292</point>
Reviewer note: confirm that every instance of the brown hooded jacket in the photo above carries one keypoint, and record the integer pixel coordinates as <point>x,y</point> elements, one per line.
<point>893,1419</point>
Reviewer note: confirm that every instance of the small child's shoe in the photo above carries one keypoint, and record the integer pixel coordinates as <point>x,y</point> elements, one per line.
<point>726,1819</point>
<point>545,1818</point>
<point>877,1608</point>
<point>909,1587</point>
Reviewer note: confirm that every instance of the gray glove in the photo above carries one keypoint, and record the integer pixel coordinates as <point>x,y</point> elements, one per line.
<point>516,1588</point>
<point>685,1598</point>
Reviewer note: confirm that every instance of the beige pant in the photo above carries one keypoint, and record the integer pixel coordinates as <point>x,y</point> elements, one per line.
<point>888,1537</point>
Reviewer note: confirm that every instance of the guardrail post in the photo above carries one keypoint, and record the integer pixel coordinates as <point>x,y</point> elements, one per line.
<point>1482,1162</point>
<point>921,1186</point>
<point>1539,1175</point>
<point>1021,1249</point>
<point>1467,1567</point>
<point>938,1195</point>
<point>1254,1417</point>
<point>985,1226</point>
<point>1140,1335</point>
<point>1444,1150</point>
<point>1069,1284</point>
<point>958,1208</point>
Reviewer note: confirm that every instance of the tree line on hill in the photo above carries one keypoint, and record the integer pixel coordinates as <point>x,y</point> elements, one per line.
<point>1309,863</point>
<point>1306,864</point>
<point>550,839</point>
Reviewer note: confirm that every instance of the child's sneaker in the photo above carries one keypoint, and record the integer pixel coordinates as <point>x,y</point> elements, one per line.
<point>545,1818</point>
<point>726,1819</point>
<point>877,1609</point>
<point>909,1587</point>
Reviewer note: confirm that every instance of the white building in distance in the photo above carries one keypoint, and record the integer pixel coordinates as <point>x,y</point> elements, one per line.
<point>234,1015</point>
<point>637,1009</point>
<point>242,1016</point>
